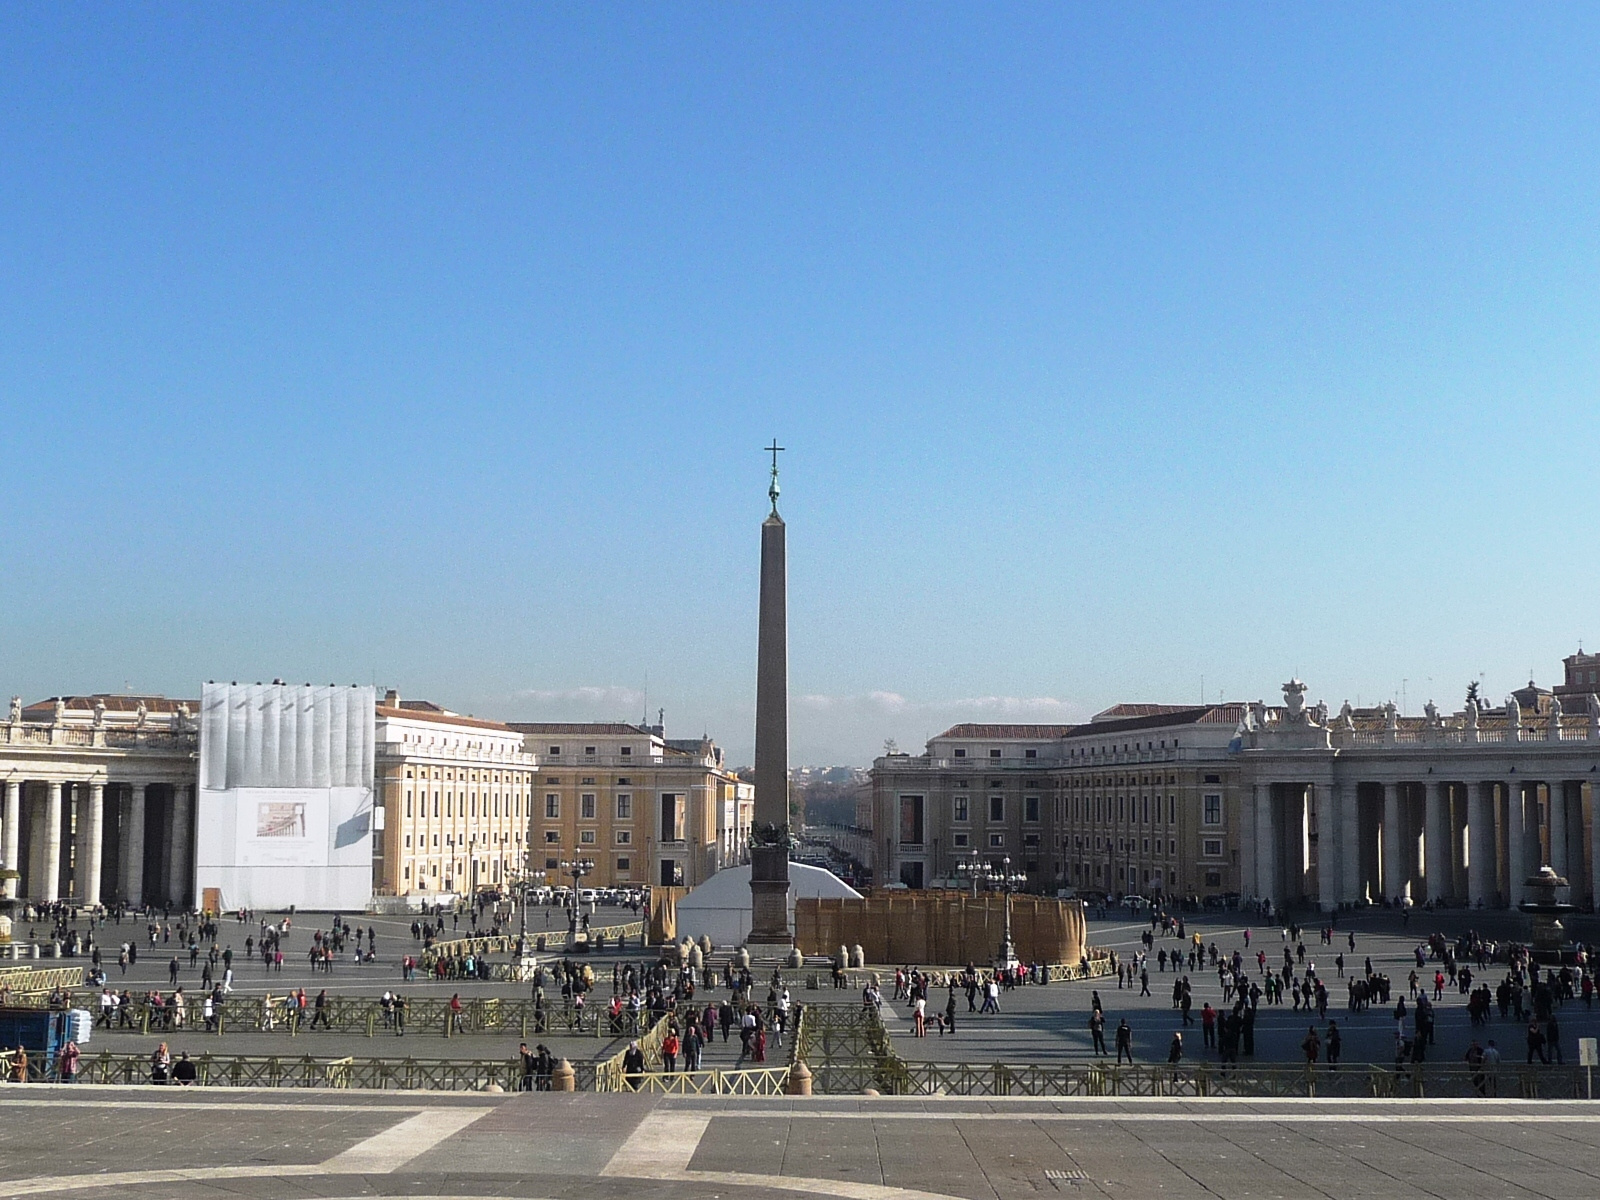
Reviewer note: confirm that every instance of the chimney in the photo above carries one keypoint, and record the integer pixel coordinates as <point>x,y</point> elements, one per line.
<point>391,699</point>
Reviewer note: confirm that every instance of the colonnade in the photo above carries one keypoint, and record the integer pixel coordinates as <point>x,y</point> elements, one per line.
<point>92,841</point>
<point>1450,841</point>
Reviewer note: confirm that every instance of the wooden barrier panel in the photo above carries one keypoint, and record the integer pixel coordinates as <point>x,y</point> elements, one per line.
<point>947,928</point>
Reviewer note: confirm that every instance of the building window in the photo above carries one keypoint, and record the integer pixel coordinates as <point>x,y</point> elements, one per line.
<point>997,841</point>
<point>1172,845</point>
<point>997,808</point>
<point>624,808</point>
<point>550,864</point>
<point>1030,754</point>
<point>552,806</point>
<point>911,831</point>
<point>624,837</point>
<point>960,753</point>
<point>1213,878</point>
<point>960,839</point>
<point>624,865</point>
<point>1172,810</point>
<point>994,754</point>
<point>625,751</point>
<point>1030,808</point>
<point>555,751</point>
<point>586,838</point>
<point>586,806</point>
<point>1211,847</point>
<point>1031,839</point>
<point>552,837</point>
<point>958,808</point>
<point>1213,809</point>
<point>589,750</point>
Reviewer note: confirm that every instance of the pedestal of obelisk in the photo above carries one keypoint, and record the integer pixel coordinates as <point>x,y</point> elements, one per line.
<point>769,851</point>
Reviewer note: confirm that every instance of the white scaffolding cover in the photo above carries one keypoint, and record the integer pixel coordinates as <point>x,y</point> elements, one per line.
<point>285,803</point>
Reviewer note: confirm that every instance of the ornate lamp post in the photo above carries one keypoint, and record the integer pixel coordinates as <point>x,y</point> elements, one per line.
<point>1008,881</point>
<point>577,868</point>
<point>980,870</point>
<point>975,869</point>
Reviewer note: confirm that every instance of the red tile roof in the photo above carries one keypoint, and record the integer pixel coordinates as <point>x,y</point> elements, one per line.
<point>433,718</point>
<point>1008,732</point>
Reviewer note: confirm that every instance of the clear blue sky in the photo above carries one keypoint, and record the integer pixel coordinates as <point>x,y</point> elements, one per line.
<point>1114,347</point>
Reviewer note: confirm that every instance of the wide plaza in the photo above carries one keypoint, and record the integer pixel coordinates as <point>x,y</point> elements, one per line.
<point>1035,1024</point>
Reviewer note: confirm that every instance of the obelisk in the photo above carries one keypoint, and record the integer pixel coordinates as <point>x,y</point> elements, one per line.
<point>769,848</point>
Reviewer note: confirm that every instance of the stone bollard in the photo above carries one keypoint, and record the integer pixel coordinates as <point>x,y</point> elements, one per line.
<point>871,1092</point>
<point>696,959</point>
<point>563,1078</point>
<point>741,958</point>
<point>796,960</point>
<point>799,1082</point>
<point>843,957</point>
<point>858,956</point>
<point>705,944</point>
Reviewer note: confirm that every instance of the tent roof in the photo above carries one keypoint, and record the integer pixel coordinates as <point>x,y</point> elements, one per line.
<point>730,887</point>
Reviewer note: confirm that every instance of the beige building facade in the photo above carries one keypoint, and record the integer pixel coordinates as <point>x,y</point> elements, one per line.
<point>647,810</point>
<point>456,795</point>
<point>1136,801</point>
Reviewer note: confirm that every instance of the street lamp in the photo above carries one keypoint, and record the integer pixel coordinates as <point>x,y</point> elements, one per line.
<point>577,868</point>
<point>996,878</point>
<point>1008,882</point>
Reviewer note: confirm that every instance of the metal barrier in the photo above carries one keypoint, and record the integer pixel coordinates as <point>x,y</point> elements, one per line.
<point>758,1081</point>
<point>22,982</point>
<point>366,1015</point>
<point>847,1050</point>
<point>377,1074</point>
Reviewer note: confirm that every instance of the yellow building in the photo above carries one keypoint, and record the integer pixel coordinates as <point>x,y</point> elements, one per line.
<point>645,809</point>
<point>455,796</point>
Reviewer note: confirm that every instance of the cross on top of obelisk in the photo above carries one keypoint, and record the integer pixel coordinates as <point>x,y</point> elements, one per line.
<point>772,491</point>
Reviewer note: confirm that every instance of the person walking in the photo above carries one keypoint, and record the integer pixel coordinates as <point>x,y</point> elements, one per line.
<point>1175,1050</point>
<point>1097,1030</point>
<point>1333,1045</point>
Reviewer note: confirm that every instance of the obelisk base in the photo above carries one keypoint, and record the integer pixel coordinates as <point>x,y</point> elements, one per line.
<point>769,897</point>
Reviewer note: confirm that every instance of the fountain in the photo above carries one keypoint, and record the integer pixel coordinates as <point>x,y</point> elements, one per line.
<point>1548,941</point>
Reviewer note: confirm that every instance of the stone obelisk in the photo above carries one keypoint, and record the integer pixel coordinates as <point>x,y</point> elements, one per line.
<point>769,849</point>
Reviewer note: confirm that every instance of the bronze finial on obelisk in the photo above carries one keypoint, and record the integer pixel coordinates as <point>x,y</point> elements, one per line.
<point>769,835</point>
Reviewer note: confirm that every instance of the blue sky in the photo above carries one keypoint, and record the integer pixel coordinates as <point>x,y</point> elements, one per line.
<point>1115,348</point>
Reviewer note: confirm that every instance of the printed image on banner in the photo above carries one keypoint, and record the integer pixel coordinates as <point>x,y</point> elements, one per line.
<point>280,819</point>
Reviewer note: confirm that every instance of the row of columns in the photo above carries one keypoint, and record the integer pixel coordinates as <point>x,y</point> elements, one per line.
<point>48,825</point>
<point>1479,840</point>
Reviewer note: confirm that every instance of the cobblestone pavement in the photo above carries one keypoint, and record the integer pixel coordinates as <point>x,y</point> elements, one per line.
<point>149,1144</point>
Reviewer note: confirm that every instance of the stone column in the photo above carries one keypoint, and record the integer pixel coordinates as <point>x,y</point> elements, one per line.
<point>1516,842</point>
<point>1557,808</point>
<point>1458,828</point>
<point>1436,841</point>
<point>1267,849</point>
<point>1572,801</point>
<point>1249,885</point>
<point>12,830</point>
<point>52,844</point>
<point>1329,847</point>
<point>1480,843</point>
<point>1348,798</point>
<point>91,833</point>
<point>182,817</point>
<point>133,848</point>
<point>1394,855</point>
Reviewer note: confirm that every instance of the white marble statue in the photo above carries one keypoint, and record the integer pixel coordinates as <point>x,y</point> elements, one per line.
<point>16,710</point>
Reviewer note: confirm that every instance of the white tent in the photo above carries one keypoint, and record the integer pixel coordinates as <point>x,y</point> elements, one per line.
<point>720,907</point>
